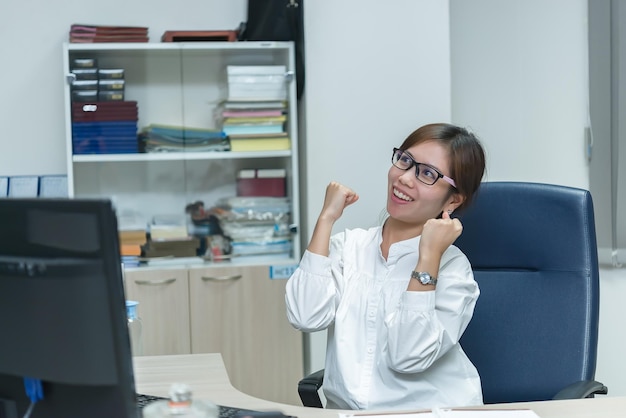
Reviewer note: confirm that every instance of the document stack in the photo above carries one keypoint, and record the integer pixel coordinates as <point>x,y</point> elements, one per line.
<point>254,115</point>
<point>256,226</point>
<point>93,33</point>
<point>166,138</point>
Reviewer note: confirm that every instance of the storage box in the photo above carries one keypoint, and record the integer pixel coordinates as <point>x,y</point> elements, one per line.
<point>85,85</point>
<point>111,73</point>
<point>84,63</point>
<point>84,95</point>
<point>260,82</point>
<point>111,84</point>
<point>109,95</point>
<point>85,73</point>
<point>261,182</point>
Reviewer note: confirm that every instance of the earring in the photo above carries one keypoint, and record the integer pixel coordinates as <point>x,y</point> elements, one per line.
<point>450,212</point>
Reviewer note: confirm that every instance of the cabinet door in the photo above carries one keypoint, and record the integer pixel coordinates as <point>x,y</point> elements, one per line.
<point>240,312</point>
<point>163,297</point>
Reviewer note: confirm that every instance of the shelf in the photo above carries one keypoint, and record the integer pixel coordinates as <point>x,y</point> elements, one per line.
<point>198,262</point>
<point>178,156</point>
<point>164,46</point>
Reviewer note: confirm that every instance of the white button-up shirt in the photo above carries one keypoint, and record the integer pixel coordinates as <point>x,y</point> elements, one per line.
<point>388,348</point>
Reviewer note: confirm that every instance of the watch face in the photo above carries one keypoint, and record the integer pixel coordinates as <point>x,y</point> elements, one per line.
<point>425,278</point>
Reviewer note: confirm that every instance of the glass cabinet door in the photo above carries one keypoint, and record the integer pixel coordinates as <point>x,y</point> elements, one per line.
<point>146,129</point>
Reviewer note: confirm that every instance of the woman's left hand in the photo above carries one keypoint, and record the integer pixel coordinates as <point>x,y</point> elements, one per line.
<point>439,234</point>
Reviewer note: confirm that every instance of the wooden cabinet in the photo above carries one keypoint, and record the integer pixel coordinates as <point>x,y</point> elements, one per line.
<point>240,312</point>
<point>236,310</point>
<point>163,297</point>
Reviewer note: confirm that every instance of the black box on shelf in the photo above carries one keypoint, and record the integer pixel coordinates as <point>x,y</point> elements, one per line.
<point>84,85</point>
<point>84,95</point>
<point>84,63</point>
<point>111,84</point>
<point>85,73</point>
<point>110,73</point>
<point>110,95</point>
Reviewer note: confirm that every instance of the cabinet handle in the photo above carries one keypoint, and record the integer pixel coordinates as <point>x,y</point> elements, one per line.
<point>155,282</point>
<point>221,278</point>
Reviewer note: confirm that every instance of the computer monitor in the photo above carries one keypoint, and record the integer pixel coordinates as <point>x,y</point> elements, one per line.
<point>62,310</point>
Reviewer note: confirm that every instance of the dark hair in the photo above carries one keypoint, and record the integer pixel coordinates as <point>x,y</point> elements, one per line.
<point>467,157</point>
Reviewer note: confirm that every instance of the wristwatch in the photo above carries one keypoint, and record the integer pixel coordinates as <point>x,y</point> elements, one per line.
<point>423,277</point>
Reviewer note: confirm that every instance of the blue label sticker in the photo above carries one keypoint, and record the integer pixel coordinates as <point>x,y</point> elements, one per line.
<point>282,271</point>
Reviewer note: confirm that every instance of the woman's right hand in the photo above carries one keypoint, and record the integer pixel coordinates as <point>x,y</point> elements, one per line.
<point>337,198</point>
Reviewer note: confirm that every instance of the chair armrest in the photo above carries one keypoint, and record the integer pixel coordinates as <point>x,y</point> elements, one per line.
<point>308,389</point>
<point>582,389</point>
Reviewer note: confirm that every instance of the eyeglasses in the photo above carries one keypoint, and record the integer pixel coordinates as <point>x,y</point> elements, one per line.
<point>425,173</point>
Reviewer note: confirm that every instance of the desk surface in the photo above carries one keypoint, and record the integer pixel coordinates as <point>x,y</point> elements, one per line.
<point>207,376</point>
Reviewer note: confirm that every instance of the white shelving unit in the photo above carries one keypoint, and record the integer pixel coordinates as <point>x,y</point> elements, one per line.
<point>178,84</point>
<point>192,308</point>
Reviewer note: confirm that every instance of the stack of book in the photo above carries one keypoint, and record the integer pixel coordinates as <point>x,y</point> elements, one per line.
<point>104,127</point>
<point>254,113</point>
<point>131,241</point>
<point>166,138</point>
<point>97,33</point>
<point>254,125</point>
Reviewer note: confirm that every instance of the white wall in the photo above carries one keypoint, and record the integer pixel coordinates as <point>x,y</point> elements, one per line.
<point>374,74</point>
<point>520,79</point>
<point>32,33</point>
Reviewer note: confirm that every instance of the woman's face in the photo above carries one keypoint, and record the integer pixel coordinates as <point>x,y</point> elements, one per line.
<point>411,201</point>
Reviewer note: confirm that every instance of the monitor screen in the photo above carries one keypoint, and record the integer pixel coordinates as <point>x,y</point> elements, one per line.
<point>62,310</point>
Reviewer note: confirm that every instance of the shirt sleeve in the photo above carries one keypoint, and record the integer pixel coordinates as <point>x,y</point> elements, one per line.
<point>427,325</point>
<point>313,290</point>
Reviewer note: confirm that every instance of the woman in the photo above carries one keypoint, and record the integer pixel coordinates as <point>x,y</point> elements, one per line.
<point>397,298</point>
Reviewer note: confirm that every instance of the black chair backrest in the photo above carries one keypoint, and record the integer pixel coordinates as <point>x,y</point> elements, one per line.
<point>533,251</point>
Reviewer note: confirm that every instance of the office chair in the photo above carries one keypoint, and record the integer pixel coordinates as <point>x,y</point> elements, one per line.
<point>534,332</point>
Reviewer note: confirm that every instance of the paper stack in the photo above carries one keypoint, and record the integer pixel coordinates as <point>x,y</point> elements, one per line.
<point>166,138</point>
<point>254,114</point>
<point>256,225</point>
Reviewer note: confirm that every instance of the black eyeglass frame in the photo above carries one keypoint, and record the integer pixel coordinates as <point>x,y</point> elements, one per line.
<point>400,152</point>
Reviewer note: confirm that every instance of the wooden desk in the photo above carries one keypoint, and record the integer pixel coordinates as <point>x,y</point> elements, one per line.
<point>207,376</point>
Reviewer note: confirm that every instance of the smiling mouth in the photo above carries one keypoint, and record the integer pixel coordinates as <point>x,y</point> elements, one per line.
<point>401,195</point>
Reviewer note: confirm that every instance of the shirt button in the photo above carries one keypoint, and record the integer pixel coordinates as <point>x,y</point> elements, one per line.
<point>371,313</point>
<point>370,350</point>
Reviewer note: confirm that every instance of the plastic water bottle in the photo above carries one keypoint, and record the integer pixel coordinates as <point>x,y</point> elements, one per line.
<point>181,405</point>
<point>134,328</point>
